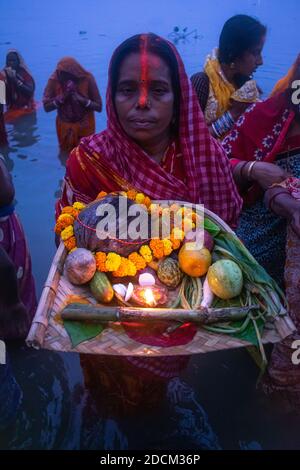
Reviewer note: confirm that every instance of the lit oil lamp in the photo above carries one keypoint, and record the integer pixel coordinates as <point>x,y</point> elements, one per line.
<point>149,296</point>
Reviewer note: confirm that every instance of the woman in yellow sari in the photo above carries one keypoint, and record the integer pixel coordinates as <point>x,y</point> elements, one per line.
<point>225,88</point>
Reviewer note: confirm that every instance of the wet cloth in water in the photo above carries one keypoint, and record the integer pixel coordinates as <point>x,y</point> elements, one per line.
<point>12,240</point>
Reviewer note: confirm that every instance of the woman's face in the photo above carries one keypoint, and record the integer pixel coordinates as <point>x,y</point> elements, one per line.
<point>144,98</point>
<point>251,60</point>
<point>12,61</point>
<point>64,77</point>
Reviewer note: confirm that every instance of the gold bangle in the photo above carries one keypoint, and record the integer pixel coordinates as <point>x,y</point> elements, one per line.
<point>250,170</point>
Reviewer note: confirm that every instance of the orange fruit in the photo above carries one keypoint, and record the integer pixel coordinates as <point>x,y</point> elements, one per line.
<point>194,262</point>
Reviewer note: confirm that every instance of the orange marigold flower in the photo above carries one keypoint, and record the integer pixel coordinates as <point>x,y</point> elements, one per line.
<point>157,247</point>
<point>175,242</point>
<point>70,210</point>
<point>132,194</point>
<point>70,243</point>
<point>137,260</point>
<point>147,201</point>
<point>101,194</point>
<point>100,261</point>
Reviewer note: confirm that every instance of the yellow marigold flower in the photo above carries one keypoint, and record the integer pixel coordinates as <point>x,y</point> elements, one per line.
<point>139,198</point>
<point>177,234</point>
<point>146,253</point>
<point>79,206</point>
<point>167,246</point>
<point>123,193</point>
<point>131,194</point>
<point>122,270</point>
<point>147,201</point>
<point>68,232</point>
<point>101,194</point>
<point>63,221</point>
<point>100,261</point>
<point>113,261</point>
<point>70,243</point>
<point>157,247</point>
<point>187,224</point>
<point>131,269</point>
<point>137,260</point>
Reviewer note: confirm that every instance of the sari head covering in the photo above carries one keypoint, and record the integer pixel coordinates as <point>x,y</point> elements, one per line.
<point>285,82</point>
<point>86,82</point>
<point>22,64</point>
<point>112,161</point>
<point>221,91</point>
<point>70,65</point>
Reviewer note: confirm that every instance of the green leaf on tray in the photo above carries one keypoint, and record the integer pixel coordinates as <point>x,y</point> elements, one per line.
<point>211,227</point>
<point>82,331</point>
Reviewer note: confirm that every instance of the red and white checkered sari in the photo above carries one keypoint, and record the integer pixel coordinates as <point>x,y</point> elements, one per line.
<point>112,161</point>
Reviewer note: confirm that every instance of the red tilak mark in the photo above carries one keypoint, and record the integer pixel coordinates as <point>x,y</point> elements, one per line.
<point>144,73</point>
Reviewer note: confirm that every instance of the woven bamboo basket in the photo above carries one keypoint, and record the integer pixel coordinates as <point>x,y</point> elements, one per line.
<point>47,330</point>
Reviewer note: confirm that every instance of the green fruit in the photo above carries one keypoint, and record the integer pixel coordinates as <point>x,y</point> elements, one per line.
<point>169,272</point>
<point>101,288</point>
<point>225,279</point>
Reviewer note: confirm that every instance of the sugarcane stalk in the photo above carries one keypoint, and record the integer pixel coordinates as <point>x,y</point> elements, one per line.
<point>136,314</point>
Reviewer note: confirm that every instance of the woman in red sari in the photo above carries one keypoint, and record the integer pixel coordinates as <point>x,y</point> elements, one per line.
<point>73,92</point>
<point>264,150</point>
<point>19,86</point>
<point>158,143</point>
<point>17,289</point>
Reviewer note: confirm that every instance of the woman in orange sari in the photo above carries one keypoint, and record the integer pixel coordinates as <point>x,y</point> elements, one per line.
<point>73,92</point>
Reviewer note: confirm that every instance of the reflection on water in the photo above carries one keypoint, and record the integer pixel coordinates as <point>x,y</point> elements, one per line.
<point>117,403</point>
<point>51,400</point>
<point>23,132</point>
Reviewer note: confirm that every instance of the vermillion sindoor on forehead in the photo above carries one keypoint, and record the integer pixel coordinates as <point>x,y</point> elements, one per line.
<point>144,87</point>
<point>147,60</point>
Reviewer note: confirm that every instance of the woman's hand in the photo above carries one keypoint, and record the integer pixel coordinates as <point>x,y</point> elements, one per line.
<point>280,201</point>
<point>265,174</point>
<point>11,73</point>
<point>79,98</point>
<point>60,99</point>
<point>237,108</point>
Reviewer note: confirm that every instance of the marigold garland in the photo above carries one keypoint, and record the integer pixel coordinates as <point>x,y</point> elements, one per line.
<point>118,265</point>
